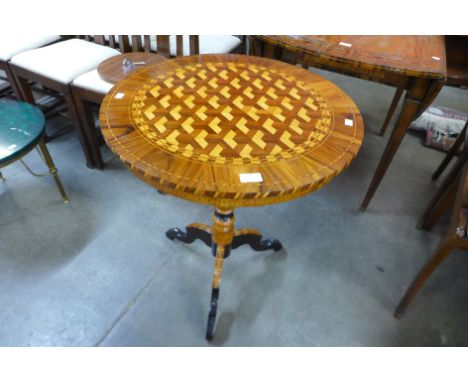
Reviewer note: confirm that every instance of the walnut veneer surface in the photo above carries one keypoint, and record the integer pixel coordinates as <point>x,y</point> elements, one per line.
<point>113,70</point>
<point>419,56</point>
<point>191,126</point>
<point>415,65</point>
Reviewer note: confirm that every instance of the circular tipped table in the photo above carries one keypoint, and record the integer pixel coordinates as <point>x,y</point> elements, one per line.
<point>230,131</point>
<point>22,128</point>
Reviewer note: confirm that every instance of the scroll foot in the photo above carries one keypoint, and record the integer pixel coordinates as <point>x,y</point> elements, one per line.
<point>254,239</point>
<point>193,232</point>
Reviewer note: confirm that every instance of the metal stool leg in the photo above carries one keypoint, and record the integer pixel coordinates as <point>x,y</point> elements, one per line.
<point>52,169</point>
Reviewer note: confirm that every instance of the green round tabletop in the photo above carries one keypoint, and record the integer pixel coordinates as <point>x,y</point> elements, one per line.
<point>21,127</point>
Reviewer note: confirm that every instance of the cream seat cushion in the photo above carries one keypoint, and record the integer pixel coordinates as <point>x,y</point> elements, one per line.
<point>92,81</point>
<point>64,60</point>
<point>12,44</point>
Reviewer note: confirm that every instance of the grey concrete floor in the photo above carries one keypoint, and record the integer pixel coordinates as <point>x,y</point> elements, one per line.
<point>100,271</point>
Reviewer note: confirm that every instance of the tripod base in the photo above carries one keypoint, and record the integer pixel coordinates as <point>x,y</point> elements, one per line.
<point>202,232</point>
<point>221,238</point>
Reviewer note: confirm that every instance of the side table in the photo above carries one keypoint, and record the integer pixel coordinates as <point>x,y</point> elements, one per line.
<point>230,131</point>
<point>22,128</point>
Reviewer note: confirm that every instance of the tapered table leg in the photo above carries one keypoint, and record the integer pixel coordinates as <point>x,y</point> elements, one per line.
<point>396,98</point>
<point>414,100</point>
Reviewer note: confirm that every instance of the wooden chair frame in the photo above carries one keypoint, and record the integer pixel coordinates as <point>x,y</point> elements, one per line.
<point>83,99</point>
<point>453,191</point>
<point>22,78</point>
<point>4,65</point>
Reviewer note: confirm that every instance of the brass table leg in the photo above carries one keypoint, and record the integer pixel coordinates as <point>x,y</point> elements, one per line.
<point>221,237</point>
<point>52,169</point>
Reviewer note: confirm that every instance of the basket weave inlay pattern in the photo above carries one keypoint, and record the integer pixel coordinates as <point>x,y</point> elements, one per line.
<point>268,120</point>
<point>231,130</point>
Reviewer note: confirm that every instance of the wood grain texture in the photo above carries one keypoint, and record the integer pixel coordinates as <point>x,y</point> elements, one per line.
<point>112,69</point>
<point>416,65</point>
<point>418,56</point>
<point>190,126</point>
<point>452,192</point>
<point>160,44</point>
<point>457,60</point>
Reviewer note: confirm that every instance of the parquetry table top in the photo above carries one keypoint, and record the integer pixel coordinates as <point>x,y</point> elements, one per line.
<point>231,130</point>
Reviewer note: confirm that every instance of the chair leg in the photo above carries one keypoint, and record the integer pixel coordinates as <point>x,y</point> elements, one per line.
<point>437,206</point>
<point>93,136</point>
<point>451,153</point>
<point>444,249</point>
<point>27,96</point>
<point>396,98</point>
<point>447,184</point>
<point>85,115</point>
<point>1,177</point>
<point>52,169</point>
<point>12,81</point>
<point>85,145</point>
<point>25,90</point>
